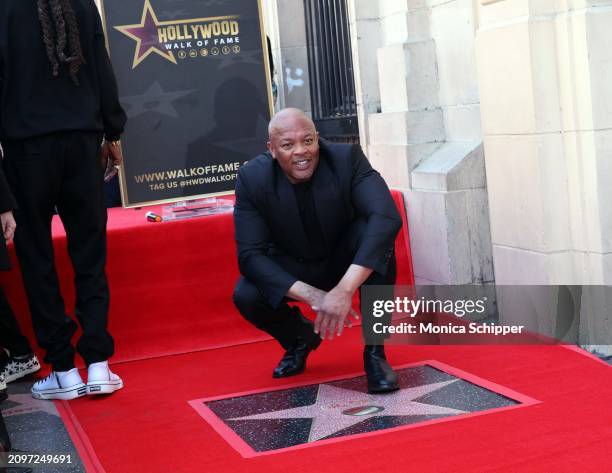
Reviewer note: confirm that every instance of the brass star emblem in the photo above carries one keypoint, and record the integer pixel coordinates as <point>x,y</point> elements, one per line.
<point>146,36</point>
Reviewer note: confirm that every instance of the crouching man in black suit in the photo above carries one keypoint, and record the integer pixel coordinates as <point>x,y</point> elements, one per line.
<point>314,223</point>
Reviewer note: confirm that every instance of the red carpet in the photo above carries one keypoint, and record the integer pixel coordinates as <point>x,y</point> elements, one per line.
<point>149,426</point>
<point>171,283</point>
<point>171,289</point>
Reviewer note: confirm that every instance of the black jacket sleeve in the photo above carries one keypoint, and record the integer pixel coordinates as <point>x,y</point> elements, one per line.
<point>372,201</point>
<point>7,201</point>
<point>253,239</point>
<point>113,116</point>
<point>1,86</point>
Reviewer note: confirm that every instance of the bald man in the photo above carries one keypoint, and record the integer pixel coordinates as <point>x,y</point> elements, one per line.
<point>314,223</point>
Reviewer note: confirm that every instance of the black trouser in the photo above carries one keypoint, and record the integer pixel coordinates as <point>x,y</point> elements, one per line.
<point>62,171</point>
<point>11,337</point>
<point>5,441</point>
<point>286,325</point>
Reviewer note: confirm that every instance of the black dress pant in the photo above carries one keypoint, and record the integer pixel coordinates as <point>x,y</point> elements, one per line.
<point>285,324</point>
<point>5,441</point>
<point>11,337</point>
<point>62,172</point>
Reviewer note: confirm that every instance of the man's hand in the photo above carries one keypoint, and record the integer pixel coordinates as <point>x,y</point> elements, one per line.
<point>104,154</point>
<point>111,157</point>
<point>116,153</point>
<point>336,305</point>
<point>8,225</point>
<point>333,312</point>
<point>300,291</point>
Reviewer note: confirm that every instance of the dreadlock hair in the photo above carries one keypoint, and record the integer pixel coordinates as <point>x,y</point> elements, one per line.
<point>60,28</point>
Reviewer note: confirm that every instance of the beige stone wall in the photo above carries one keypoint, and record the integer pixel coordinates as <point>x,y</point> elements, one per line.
<point>544,77</point>
<point>547,134</point>
<point>426,138</point>
<point>285,25</point>
<point>366,35</point>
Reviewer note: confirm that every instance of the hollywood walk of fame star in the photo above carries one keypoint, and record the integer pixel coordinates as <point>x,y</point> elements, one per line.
<point>28,405</point>
<point>146,37</point>
<point>154,99</point>
<point>334,409</point>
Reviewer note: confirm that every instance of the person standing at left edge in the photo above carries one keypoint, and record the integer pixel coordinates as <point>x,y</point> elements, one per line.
<point>17,358</point>
<point>58,100</point>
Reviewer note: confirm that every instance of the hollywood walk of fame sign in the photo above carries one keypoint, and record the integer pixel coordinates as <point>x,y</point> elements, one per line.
<point>193,78</point>
<point>273,421</point>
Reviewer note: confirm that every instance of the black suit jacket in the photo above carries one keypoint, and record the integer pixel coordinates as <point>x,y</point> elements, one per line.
<point>267,218</point>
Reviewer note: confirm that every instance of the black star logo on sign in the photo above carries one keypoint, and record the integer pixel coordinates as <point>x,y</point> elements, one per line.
<point>154,99</point>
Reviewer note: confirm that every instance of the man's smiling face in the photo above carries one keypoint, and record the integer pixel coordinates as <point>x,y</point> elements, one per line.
<point>294,143</point>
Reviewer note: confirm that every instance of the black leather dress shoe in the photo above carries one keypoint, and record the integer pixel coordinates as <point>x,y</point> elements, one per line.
<point>381,377</point>
<point>294,360</point>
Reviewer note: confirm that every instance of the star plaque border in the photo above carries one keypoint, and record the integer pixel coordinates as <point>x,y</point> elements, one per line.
<point>247,451</point>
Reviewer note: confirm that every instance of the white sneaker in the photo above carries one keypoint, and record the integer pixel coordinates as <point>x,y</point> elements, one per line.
<point>63,385</point>
<point>2,381</point>
<point>101,380</point>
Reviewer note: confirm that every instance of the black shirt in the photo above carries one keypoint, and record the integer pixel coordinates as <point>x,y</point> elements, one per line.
<point>308,213</point>
<point>32,101</point>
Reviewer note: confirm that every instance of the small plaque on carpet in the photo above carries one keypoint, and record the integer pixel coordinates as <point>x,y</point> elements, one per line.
<point>273,421</point>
